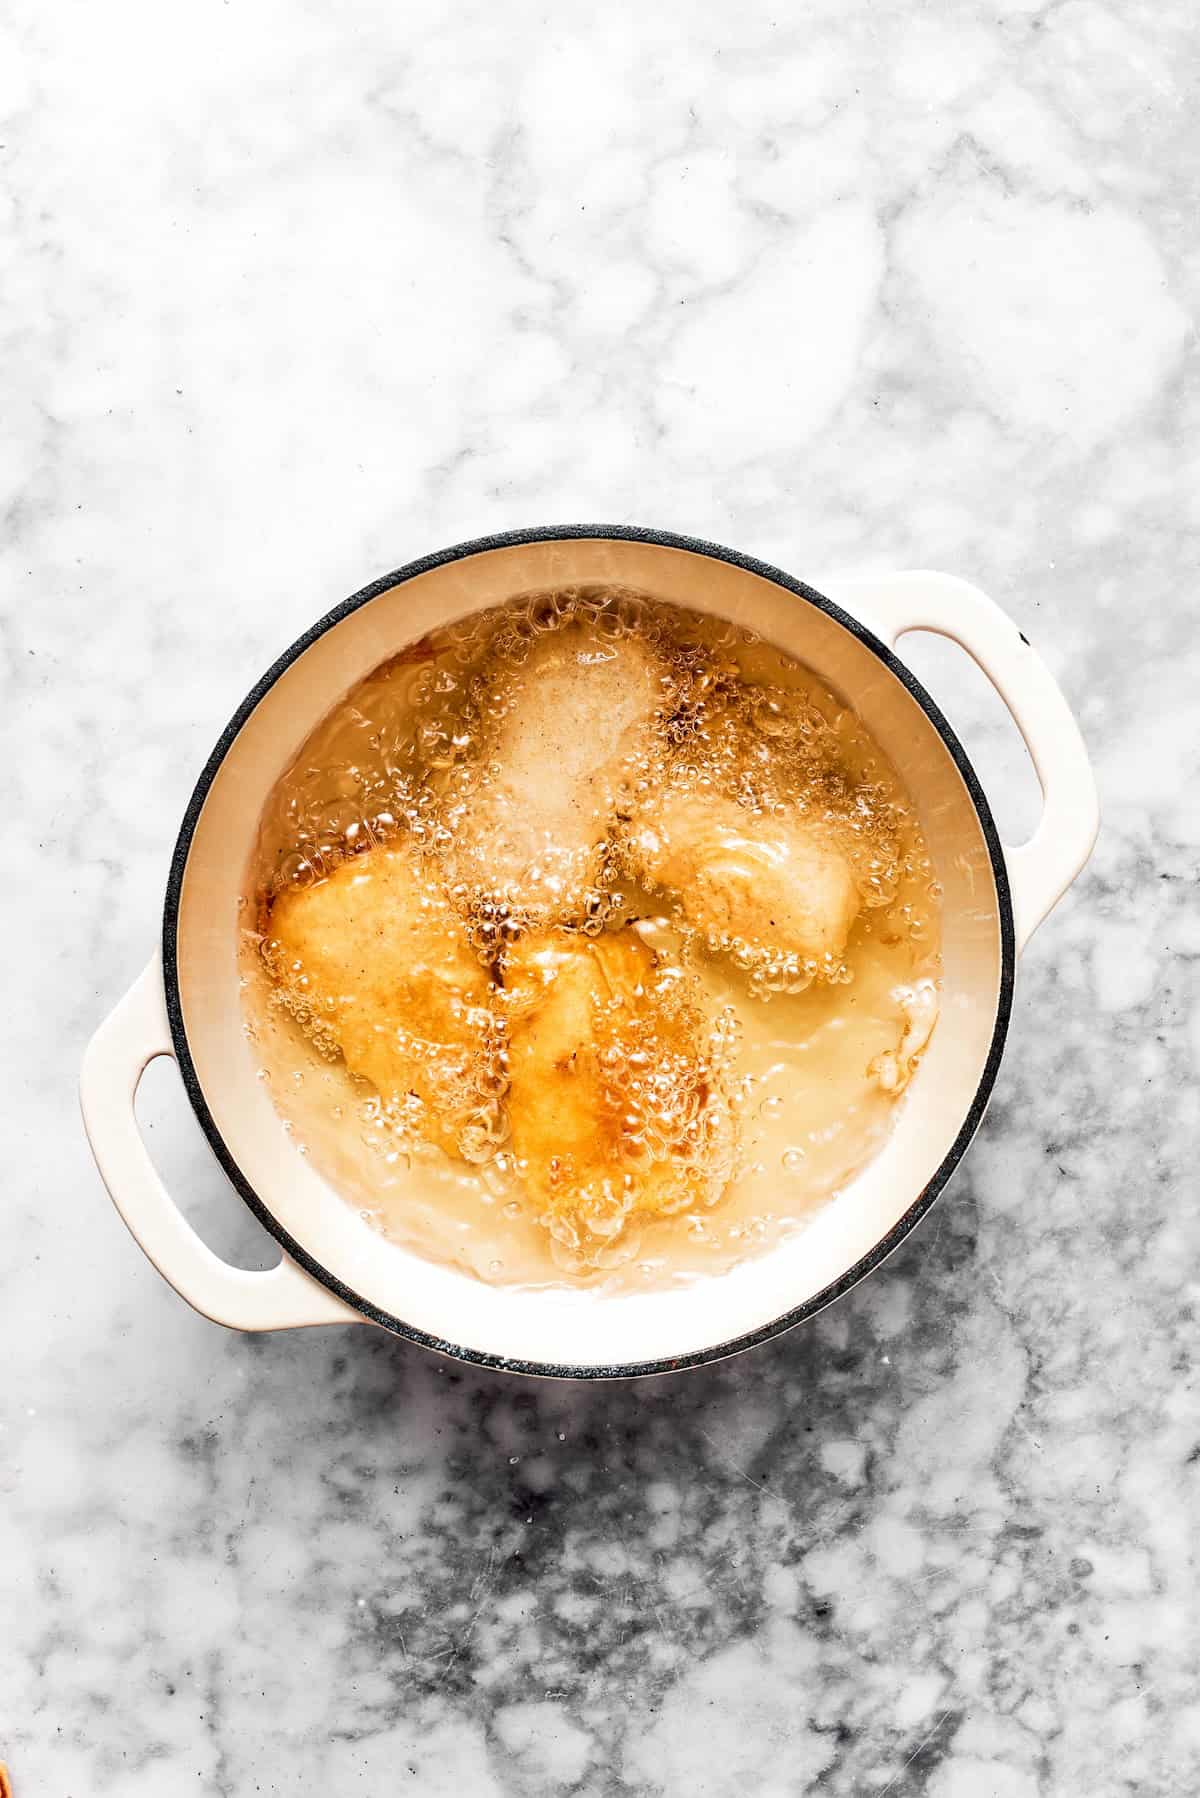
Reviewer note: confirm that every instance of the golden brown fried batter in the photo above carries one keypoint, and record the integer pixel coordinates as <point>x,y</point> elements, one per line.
<point>530,813</point>
<point>779,885</point>
<point>615,1109</point>
<point>375,962</point>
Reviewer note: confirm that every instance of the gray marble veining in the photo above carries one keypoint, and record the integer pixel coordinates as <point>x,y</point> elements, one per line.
<point>294,292</point>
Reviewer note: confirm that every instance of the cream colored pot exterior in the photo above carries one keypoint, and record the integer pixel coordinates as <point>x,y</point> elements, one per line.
<point>335,1268</point>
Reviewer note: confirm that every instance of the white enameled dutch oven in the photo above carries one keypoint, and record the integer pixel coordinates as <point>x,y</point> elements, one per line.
<point>334,1267</point>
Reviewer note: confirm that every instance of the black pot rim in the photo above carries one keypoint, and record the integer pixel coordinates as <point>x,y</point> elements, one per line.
<point>921,1204</point>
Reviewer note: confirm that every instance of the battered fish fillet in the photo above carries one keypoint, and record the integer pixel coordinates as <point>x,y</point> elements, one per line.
<point>375,962</point>
<point>615,1110</point>
<point>577,713</point>
<point>781,886</point>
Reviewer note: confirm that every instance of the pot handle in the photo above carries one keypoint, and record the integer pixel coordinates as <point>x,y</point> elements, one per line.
<point>1041,870</point>
<point>131,1037</point>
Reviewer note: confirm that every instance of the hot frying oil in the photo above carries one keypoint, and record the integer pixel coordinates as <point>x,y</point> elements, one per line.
<point>517,984</point>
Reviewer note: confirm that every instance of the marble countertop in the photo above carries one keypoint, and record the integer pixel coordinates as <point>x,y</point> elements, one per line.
<point>295,292</point>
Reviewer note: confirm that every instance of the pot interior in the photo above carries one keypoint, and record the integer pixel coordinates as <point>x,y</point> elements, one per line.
<point>562,1329</point>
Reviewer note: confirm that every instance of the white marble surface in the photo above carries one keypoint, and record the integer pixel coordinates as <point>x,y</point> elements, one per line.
<point>294,292</point>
